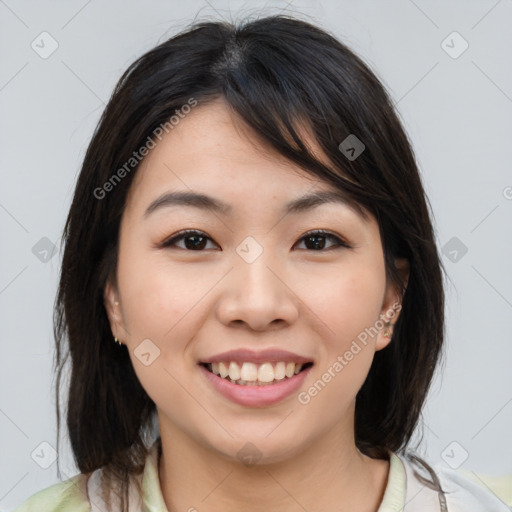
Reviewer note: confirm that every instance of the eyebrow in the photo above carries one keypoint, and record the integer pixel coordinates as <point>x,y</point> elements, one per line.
<point>205,202</point>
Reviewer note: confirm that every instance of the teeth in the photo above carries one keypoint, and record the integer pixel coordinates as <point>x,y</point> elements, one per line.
<point>266,372</point>
<point>249,372</point>
<point>280,371</point>
<point>252,374</point>
<point>234,371</point>
<point>290,369</point>
<point>222,370</point>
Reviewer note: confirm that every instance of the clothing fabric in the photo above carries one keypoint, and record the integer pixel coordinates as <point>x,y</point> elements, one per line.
<point>411,487</point>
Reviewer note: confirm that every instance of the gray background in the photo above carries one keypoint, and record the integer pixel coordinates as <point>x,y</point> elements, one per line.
<point>456,110</point>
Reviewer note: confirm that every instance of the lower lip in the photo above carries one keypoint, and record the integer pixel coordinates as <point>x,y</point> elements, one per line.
<point>256,396</point>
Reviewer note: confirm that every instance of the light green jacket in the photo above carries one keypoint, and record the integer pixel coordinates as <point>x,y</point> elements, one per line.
<point>405,491</point>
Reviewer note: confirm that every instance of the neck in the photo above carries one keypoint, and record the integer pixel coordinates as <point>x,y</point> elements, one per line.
<point>331,474</point>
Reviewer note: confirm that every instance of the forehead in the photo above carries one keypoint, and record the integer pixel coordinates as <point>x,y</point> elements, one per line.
<point>210,152</point>
<point>211,141</point>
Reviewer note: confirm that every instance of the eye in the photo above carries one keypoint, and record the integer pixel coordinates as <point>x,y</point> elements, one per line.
<point>312,238</point>
<point>196,240</point>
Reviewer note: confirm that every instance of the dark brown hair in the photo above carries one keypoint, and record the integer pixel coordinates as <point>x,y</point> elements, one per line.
<point>276,73</point>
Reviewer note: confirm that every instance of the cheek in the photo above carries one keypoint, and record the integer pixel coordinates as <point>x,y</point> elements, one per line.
<point>348,303</point>
<point>351,306</point>
<point>156,295</point>
<point>158,304</point>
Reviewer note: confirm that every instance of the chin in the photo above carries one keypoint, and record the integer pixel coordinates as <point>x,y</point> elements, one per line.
<point>256,448</point>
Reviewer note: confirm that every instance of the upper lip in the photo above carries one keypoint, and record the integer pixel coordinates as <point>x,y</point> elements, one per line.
<point>259,357</point>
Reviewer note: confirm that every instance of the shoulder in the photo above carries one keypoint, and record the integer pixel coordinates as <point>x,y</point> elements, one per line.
<point>468,489</point>
<point>462,491</point>
<point>67,496</point>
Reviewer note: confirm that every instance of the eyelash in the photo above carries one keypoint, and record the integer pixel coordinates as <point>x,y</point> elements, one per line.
<point>319,232</point>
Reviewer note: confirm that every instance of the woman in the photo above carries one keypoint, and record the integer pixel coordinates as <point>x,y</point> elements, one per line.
<point>251,292</point>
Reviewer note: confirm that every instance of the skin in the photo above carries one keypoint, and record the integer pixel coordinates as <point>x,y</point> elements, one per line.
<point>195,304</point>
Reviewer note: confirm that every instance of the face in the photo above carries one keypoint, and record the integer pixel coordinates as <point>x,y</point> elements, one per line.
<point>251,291</point>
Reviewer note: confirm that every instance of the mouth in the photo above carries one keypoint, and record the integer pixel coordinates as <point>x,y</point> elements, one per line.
<point>252,374</point>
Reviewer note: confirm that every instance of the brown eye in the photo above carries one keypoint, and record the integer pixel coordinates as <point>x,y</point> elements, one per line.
<point>193,240</point>
<point>315,240</point>
<point>197,240</point>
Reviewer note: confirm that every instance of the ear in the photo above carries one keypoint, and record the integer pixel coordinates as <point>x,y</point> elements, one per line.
<point>113,309</point>
<point>392,305</point>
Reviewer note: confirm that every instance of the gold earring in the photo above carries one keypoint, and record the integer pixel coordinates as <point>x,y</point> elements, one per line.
<point>115,339</point>
<point>387,332</point>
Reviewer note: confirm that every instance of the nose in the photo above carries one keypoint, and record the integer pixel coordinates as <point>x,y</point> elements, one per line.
<point>257,295</point>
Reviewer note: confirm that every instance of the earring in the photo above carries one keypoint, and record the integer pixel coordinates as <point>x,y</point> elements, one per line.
<point>387,332</point>
<point>115,339</point>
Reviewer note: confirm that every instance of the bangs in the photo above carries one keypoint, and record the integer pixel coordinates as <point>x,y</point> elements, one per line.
<point>299,111</point>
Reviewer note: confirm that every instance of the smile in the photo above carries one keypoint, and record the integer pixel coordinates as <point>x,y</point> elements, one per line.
<point>251,374</point>
<point>255,379</point>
